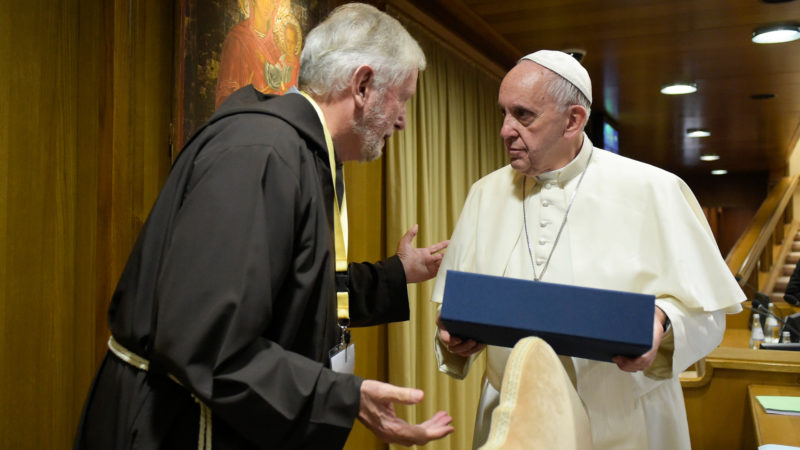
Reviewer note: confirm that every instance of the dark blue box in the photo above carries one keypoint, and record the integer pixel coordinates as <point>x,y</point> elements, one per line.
<point>576,321</point>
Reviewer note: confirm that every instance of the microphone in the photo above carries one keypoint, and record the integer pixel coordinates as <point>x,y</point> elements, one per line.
<point>761,303</point>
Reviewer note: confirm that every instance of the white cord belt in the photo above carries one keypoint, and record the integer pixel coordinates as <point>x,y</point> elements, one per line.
<point>204,433</point>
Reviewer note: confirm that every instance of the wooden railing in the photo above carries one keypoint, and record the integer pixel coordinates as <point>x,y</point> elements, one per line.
<point>752,256</point>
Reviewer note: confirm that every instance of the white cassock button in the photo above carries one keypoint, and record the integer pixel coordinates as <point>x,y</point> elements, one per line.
<point>545,203</point>
<point>539,261</point>
<point>542,241</point>
<point>544,223</point>
<point>548,185</point>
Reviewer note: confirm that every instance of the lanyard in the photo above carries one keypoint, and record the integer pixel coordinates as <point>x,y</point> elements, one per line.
<point>339,218</point>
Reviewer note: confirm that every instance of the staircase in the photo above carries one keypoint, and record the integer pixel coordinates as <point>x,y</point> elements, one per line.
<point>787,268</point>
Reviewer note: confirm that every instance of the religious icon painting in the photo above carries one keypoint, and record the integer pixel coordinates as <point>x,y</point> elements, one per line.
<point>228,44</point>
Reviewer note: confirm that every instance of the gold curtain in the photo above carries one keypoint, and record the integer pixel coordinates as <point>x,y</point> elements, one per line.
<point>451,140</point>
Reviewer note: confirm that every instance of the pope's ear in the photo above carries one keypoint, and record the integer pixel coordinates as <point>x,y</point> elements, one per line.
<point>576,120</point>
<point>361,83</point>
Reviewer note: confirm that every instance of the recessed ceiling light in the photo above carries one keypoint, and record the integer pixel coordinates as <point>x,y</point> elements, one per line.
<point>678,88</point>
<point>709,157</point>
<point>719,172</point>
<point>697,133</point>
<point>774,34</point>
<point>763,96</point>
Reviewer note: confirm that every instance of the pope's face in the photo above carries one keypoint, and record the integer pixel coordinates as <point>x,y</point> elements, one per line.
<point>383,114</point>
<point>533,124</point>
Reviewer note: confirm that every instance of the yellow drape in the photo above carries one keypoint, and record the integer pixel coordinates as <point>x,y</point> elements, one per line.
<point>451,140</point>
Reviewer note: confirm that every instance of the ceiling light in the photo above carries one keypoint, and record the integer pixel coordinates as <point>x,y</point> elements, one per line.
<point>719,172</point>
<point>679,88</point>
<point>697,133</point>
<point>709,157</point>
<point>773,34</point>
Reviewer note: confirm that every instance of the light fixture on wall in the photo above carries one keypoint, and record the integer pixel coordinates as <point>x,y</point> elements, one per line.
<point>709,157</point>
<point>774,34</point>
<point>719,172</point>
<point>577,53</point>
<point>678,88</point>
<point>697,132</point>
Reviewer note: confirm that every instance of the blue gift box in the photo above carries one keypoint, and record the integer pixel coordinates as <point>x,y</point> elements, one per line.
<point>576,321</point>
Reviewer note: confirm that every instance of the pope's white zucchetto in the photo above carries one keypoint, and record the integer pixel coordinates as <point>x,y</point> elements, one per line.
<point>566,66</point>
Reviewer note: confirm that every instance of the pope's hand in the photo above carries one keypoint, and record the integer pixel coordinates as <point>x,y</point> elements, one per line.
<point>643,362</point>
<point>420,264</point>
<point>455,344</point>
<point>376,412</point>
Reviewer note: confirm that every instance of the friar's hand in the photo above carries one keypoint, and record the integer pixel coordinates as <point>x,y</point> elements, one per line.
<point>420,264</point>
<point>376,412</point>
<point>644,361</point>
<point>457,345</point>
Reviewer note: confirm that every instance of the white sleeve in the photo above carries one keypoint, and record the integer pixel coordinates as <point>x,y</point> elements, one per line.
<point>693,334</point>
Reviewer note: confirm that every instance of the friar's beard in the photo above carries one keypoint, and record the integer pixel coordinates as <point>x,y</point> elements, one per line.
<point>373,128</point>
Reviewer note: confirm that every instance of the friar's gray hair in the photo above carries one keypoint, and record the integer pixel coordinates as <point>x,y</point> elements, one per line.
<point>353,35</point>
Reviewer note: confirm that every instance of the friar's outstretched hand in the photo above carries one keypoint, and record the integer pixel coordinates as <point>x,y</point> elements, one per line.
<point>377,413</point>
<point>420,264</point>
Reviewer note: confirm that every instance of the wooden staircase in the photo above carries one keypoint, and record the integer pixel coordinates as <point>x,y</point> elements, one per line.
<point>786,269</point>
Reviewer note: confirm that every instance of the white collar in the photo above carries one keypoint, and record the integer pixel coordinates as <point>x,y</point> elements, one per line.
<point>574,168</point>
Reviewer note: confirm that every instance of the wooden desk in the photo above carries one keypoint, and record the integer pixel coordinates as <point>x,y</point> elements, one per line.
<point>734,353</point>
<point>717,404</point>
<point>773,428</point>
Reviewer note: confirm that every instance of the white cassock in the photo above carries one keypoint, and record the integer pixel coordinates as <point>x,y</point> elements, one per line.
<point>632,227</point>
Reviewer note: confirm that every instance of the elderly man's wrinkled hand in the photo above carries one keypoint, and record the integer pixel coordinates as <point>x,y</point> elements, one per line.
<point>376,412</point>
<point>645,361</point>
<point>455,344</point>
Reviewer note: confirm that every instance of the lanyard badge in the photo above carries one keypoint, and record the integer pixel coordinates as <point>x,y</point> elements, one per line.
<point>343,354</point>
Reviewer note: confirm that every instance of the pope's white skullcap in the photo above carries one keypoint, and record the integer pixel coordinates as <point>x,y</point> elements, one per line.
<point>566,66</point>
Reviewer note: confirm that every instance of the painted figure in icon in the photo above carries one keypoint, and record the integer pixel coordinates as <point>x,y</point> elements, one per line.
<point>261,50</point>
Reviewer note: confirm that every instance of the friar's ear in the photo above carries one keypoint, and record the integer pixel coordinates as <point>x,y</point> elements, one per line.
<point>361,83</point>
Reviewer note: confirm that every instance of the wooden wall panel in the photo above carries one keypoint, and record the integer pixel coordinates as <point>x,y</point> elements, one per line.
<point>736,198</point>
<point>41,347</point>
<point>136,160</point>
<point>86,92</point>
<point>733,222</point>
